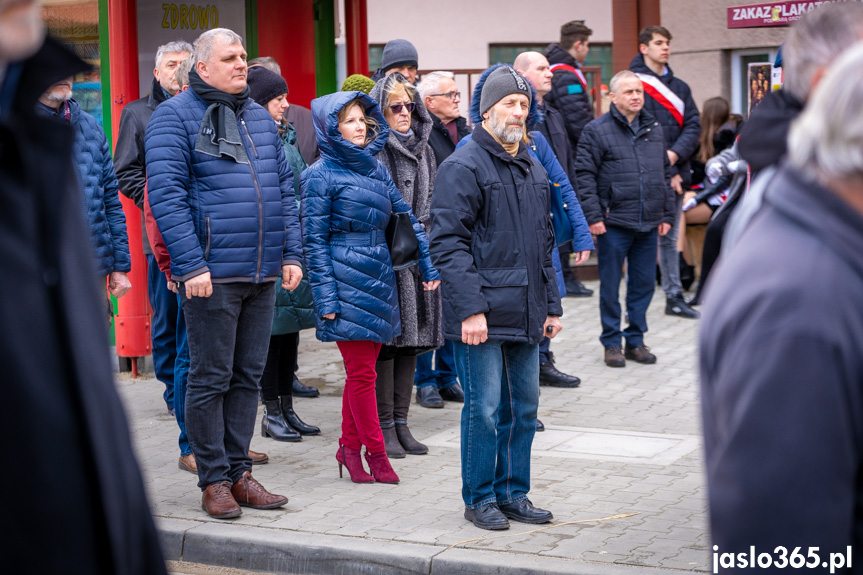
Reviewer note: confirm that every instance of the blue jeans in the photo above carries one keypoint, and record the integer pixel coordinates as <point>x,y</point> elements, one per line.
<point>164,327</point>
<point>181,374</point>
<point>638,250</point>
<point>498,421</point>
<point>228,335</point>
<point>443,375</point>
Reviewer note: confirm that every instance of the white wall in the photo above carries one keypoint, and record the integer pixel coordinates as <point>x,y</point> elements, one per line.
<point>451,34</point>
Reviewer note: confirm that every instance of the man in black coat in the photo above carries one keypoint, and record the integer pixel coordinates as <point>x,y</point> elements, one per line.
<point>441,98</point>
<point>781,368</point>
<point>624,182</point>
<point>669,100</point>
<point>132,176</point>
<point>490,240</point>
<point>84,508</point>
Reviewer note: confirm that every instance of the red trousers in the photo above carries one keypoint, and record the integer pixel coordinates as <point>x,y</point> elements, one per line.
<point>360,423</point>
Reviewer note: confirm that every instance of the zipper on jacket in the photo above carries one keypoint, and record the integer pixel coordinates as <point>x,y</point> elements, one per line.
<point>207,249</point>
<point>260,207</point>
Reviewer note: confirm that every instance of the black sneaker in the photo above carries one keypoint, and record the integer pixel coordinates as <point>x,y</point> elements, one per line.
<point>487,516</point>
<point>676,305</point>
<point>524,512</point>
<point>575,288</point>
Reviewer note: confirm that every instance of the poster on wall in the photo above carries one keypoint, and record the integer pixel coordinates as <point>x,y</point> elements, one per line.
<point>161,22</point>
<point>760,77</point>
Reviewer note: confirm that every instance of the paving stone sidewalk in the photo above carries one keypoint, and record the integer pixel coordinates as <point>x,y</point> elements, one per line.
<point>628,441</point>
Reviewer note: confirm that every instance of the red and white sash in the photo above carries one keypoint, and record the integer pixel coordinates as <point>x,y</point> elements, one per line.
<point>578,73</point>
<point>654,87</point>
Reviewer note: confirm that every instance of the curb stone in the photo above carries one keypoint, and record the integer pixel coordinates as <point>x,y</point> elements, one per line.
<point>294,552</point>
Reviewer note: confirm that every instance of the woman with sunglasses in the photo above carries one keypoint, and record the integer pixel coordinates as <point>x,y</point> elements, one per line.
<point>411,164</point>
<point>347,199</point>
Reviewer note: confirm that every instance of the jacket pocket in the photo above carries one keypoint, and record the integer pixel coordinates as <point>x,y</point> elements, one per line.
<point>505,292</point>
<point>207,232</point>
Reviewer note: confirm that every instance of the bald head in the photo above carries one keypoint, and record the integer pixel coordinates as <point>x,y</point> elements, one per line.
<point>534,67</point>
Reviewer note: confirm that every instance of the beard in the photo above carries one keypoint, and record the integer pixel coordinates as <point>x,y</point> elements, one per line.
<point>21,30</point>
<point>504,133</point>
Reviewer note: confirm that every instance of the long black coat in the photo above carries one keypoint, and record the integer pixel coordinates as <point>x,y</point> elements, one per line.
<point>491,243</point>
<point>624,178</point>
<point>63,432</point>
<point>439,138</point>
<point>568,95</point>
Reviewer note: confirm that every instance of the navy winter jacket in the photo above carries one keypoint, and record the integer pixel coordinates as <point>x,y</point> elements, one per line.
<point>682,140</point>
<point>624,178</point>
<point>492,240</point>
<point>347,199</point>
<point>568,95</point>
<point>101,203</point>
<point>238,221</point>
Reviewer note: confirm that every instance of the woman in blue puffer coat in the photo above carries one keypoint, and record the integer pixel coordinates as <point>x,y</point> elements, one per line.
<point>347,199</point>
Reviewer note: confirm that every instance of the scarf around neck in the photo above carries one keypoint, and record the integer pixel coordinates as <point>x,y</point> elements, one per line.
<point>218,135</point>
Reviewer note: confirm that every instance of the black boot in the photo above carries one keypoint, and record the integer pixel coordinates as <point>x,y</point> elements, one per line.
<point>294,420</point>
<point>274,425</point>
<point>301,390</point>
<point>391,441</point>
<point>687,273</point>
<point>411,445</point>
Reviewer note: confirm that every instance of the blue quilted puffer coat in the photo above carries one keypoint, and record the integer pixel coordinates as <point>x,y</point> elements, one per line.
<point>104,213</point>
<point>347,199</point>
<point>238,221</point>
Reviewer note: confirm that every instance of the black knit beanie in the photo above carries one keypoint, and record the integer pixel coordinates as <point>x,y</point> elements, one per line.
<point>265,85</point>
<point>398,53</point>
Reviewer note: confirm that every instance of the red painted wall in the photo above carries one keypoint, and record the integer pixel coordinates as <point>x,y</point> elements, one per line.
<point>286,31</point>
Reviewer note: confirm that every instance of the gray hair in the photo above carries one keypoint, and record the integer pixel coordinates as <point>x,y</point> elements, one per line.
<point>825,139</point>
<point>176,46</point>
<point>620,77</point>
<point>182,72</point>
<point>816,41</point>
<point>431,83</point>
<point>205,42</point>
<point>267,62</point>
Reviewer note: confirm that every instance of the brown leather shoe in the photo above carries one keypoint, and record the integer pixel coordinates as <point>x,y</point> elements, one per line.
<point>249,493</point>
<point>614,357</point>
<point>188,463</point>
<point>258,458</point>
<point>218,502</point>
<point>640,353</point>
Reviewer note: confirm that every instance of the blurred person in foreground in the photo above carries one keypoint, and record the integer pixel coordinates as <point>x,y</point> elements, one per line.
<point>781,369</point>
<point>60,403</point>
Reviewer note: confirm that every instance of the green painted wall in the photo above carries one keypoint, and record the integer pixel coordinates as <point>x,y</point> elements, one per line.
<point>325,47</point>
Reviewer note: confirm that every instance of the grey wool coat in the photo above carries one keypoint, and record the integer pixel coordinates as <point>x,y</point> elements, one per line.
<point>411,164</point>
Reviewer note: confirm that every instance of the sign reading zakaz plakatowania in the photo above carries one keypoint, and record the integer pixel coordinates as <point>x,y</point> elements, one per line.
<point>772,13</point>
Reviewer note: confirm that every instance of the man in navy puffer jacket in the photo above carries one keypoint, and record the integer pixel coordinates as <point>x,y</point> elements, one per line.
<point>98,181</point>
<point>220,189</point>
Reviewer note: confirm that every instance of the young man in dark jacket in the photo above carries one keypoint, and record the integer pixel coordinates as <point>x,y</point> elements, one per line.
<point>441,98</point>
<point>221,192</point>
<point>781,368</point>
<point>132,175</point>
<point>84,508</point>
<point>490,241</point>
<point>669,100</point>
<point>625,193</point>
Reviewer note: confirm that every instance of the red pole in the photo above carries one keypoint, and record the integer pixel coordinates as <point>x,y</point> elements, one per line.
<point>357,37</point>
<point>132,323</point>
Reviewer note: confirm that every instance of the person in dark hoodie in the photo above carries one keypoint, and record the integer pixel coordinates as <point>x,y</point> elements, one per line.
<point>669,100</point>
<point>814,42</point>
<point>490,240</point>
<point>84,508</point>
<point>780,362</point>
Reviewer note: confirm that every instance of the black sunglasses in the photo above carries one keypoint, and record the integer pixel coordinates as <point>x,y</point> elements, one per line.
<point>397,108</point>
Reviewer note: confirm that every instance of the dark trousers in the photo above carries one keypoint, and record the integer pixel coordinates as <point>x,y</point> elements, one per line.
<point>228,335</point>
<point>278,378</point>
<point>443,374</point>
<point>163,330</point>
<point>638,250</point>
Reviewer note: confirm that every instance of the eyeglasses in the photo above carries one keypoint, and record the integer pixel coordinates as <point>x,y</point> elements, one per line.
<point>451,95</point>
<point>397,108</point>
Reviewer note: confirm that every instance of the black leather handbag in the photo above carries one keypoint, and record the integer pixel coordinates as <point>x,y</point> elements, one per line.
<point>402,241</point>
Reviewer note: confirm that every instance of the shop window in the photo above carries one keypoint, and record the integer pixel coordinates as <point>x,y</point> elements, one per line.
<point>506,53</point>
<point>77,25</point>
<point>376,52</point>
<point>740,60</point>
